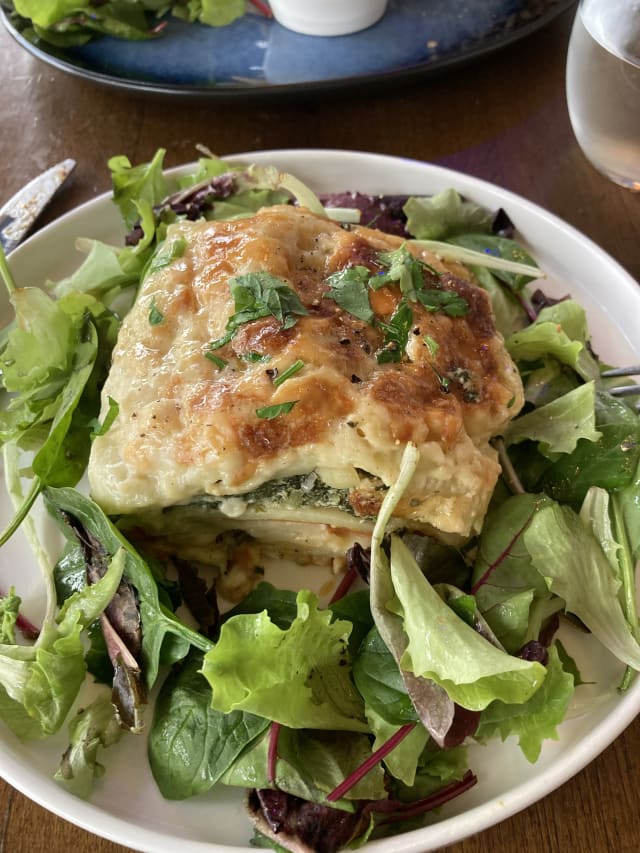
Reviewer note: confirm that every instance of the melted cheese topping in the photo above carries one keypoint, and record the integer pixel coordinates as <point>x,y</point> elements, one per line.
<point>187,427</point>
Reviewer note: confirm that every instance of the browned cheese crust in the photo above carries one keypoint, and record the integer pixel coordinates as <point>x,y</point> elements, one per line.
<point>187,427</point>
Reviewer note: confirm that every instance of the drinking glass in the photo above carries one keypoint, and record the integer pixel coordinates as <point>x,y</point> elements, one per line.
<point>603,86</point>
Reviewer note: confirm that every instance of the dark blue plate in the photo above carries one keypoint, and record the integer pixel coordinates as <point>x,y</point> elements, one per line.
<point>256,56</point>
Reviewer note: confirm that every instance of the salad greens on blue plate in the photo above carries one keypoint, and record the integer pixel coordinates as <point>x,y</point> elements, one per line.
<point>348,720</point>
<point>70,22</point>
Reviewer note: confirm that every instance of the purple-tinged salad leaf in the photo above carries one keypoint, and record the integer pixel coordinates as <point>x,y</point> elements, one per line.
<point>510,593</point>
<point>255,664</point>
<point>384,212</point>
<point>434,707</point>
<point>311,764</point>
<point>165,639</point>
<point>120,628</point>
<point>287,822</point>
<point>92,728</point>
<point>444,648</point>
<point>39,683</point>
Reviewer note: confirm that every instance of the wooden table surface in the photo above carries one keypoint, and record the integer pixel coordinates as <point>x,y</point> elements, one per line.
<point>503,119</point>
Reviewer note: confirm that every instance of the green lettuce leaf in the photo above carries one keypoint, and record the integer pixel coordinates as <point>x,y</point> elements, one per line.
<point>560,424</point>
<point>93,727</point>
<point>567,554</point>
<point>537,719</point>
<point>299,677</point>
<point>38,684</point>
<point>442,647</point>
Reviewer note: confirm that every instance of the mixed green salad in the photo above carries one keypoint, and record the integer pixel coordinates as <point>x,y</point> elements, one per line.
<point>63,23</point>
<point>349,719</point>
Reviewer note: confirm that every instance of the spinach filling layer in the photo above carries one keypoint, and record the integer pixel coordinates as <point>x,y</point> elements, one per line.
<point>300,490</point>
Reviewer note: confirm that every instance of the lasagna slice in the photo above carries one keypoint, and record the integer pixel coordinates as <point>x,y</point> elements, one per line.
<point>270,375</point>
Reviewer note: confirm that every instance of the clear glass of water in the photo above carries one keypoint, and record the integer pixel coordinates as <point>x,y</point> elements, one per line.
<point>603,86</point>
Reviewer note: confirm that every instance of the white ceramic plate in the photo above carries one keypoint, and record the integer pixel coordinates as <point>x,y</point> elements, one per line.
<point>126,806</point>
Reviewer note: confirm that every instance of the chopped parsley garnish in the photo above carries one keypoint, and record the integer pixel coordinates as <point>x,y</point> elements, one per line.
<point>447,301</point>
<point>431,344</point>
<point>396,334</point>
<point>349,288</point>
<point>254,357</point>
<point>156,317</point>
<point>403,268</point>
<point>270,412</point>
<point>109,418</point>
<point>288,373</point>
<point>167,254</point>
<point>257,295</point>
<point>219,362</point>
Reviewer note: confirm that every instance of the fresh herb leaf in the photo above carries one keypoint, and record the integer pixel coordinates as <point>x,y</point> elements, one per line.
<point>349,288</point>
<point>447,301</point>
<point>156,317</point>
<point>404,269</point>
<point>396,334</point>
<point>270,412</point>
<point>219,362</point>
<point>168,254</point>
<point>109,418</point>
<point>288,373</point>
<point>258,295</point>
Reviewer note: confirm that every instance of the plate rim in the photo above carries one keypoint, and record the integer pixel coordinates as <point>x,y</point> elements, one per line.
<point>99,821</point>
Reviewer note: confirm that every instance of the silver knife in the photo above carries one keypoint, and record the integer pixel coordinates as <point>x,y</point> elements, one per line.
<point>18,215</point>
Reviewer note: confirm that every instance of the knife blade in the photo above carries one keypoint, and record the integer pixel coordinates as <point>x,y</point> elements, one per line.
<point>18,215</point>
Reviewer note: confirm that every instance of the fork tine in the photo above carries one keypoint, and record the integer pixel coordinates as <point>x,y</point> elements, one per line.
<point>625,390</point>
<point>622,371</point>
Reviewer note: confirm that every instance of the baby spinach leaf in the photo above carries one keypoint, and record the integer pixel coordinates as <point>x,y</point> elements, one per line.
<point>380,682</point>
<point>190,744</point>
